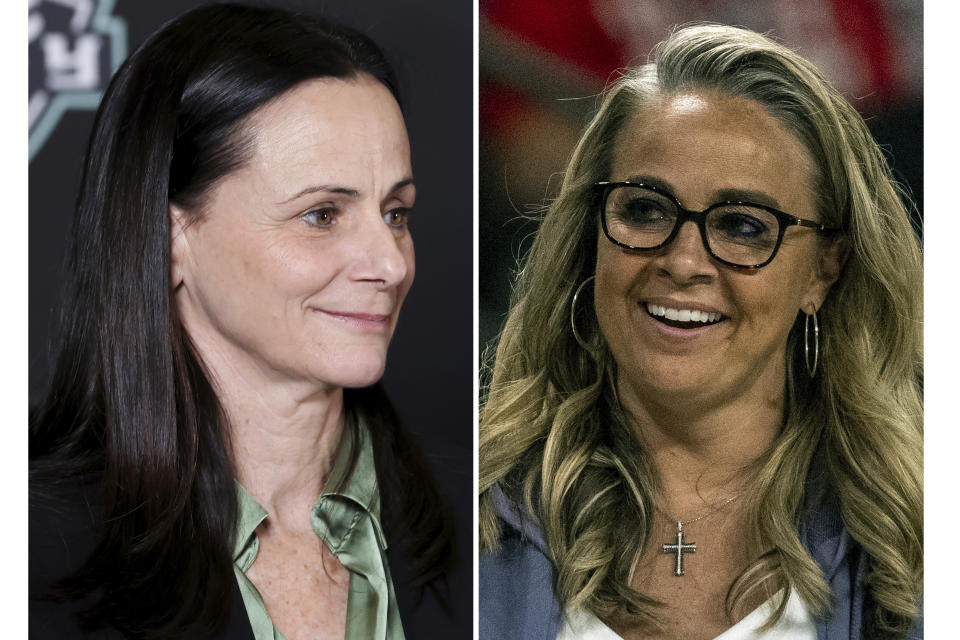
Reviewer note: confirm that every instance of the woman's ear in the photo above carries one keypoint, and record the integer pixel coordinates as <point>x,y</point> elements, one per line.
<point>829,264</point>
<point>178,245</point>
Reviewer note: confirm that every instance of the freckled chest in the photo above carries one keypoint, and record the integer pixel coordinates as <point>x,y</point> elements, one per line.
<point>303,585</point>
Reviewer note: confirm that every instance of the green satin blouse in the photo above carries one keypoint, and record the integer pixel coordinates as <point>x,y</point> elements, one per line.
<point>347,520</point>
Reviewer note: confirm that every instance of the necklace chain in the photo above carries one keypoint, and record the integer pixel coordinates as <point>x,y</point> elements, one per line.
<point>680,547</point>
<point>713,509</point>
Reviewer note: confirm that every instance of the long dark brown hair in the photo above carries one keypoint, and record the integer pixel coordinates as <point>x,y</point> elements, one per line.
<point>129,402</point>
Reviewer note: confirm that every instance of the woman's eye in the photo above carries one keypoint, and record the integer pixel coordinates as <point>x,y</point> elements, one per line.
<point>323,217</point>
<point>643,211</point>
<point>397,217</point>
<point>742,226</point>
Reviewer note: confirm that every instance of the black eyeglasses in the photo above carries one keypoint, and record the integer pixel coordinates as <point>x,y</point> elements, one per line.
<point>745,235</point>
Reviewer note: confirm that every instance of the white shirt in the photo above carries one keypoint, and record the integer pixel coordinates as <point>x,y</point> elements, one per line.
<point>796,624</point>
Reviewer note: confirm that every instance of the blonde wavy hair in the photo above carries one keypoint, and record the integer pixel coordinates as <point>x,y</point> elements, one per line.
<point>552,431</point>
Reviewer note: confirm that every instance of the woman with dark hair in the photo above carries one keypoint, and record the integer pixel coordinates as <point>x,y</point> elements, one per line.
<point>214,456</point>
<point>704,418</point>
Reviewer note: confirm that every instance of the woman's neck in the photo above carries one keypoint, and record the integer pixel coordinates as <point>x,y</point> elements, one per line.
<point>283,434</point>
<point>283,456</point>
<point>704,450</point>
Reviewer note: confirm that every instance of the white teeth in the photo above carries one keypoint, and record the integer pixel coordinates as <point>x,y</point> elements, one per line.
<point>682,315</point>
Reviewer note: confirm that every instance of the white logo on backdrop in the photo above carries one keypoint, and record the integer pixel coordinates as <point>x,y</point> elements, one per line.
<point>75,47</point>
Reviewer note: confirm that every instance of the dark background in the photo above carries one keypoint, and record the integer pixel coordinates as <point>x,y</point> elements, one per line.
<point>430,370</point>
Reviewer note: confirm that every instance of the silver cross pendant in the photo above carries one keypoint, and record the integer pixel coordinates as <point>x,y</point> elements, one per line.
<point>680,548</point>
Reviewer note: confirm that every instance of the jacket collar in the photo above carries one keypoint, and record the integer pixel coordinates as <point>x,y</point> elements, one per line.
<point>516,516</point>
<point>821,527</point>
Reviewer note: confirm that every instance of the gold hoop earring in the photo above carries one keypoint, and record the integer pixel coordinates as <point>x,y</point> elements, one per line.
<point>811,369</point>
<point>573,316</point>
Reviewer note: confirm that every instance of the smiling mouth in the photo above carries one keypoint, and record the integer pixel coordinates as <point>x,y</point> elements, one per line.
<point>366,321</point>
<point>682,318</point>
<point>370,317</point>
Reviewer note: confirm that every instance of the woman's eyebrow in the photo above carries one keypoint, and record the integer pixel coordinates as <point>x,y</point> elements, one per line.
<point>747,195</point>
<point>401,184</point>
<point>352,193</point>
<point>656,183</point>
<point>721,195</point>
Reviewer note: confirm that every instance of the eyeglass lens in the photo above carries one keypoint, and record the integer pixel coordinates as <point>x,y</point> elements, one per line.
<point>643,218</point>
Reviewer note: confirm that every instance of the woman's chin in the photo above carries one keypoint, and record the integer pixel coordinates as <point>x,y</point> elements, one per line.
<point>658,379</point>
<point>353,373</point>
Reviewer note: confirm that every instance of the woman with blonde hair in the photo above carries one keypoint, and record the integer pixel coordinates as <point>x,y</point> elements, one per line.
<point>714,429</point>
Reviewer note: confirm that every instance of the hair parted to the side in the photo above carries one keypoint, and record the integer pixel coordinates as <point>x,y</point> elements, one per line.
<point>551,429</point>
<point>129,401</point>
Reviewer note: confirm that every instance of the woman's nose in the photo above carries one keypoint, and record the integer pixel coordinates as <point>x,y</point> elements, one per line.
<point>381,252</point>
<point>686,258</point>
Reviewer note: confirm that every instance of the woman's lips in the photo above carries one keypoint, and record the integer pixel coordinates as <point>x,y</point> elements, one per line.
<point>682,314</point>
<point>682,318</point>
<point>365,321</point>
